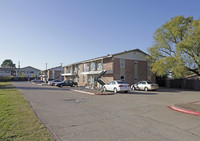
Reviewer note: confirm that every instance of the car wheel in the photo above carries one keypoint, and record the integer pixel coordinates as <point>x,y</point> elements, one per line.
<point>104,89</point>
<point>133,88</point>
<point>61,86</point>
<point>115,90</point>
<point>146,89</point>
<point>53,84</point>
<point>126,91</point>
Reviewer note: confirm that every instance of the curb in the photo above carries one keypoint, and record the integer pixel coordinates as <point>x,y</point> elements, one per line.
<point>89,93</point>
<point>54,135</point>
<point>184,110</point>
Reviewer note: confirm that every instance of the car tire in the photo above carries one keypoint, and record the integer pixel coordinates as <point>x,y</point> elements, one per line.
<point>104,89</point>
<point>126,91</point>
<point>115,90</point>
<point>146,89</point>
<point>61,86</point>
<point>133,88</point>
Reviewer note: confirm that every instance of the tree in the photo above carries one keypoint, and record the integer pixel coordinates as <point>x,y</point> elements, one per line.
<point>8,64</point>
<point>21,74</point>
<point>176,48</point>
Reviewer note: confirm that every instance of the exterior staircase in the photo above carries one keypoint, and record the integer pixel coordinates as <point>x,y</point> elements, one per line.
<point>98,77</point>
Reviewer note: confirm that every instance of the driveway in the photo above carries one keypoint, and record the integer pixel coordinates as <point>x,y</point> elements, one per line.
<point>139,116</point>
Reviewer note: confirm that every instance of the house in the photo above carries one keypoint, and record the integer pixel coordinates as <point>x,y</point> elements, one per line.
<point>129,66</point>
<point>28,71</point>
<point>52,73</point>
<point>8,72</point>
<point>14,72</point>
<point>193,77</point>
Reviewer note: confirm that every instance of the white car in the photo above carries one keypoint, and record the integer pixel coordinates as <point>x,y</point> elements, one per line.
<point>145,85</point>
<point>117,86</point>
<point>53,82</point>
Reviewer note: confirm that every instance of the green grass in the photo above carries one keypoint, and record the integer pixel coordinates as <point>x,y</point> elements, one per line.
<point>18,122</point>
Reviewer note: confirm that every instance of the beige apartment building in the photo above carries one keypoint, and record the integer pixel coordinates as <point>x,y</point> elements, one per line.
<point>129,66</point>
<point>52,73</point>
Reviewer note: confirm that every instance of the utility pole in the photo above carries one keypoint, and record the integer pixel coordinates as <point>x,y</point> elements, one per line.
<point>46,74</point>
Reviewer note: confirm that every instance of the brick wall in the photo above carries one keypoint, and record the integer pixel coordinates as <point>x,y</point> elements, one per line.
<point>107,78</point>
<point>129,71</point>
<point>108,64</point>
<point>81,83</point>
<point>142,70</point>
<point>116,69</point>
<point>49,74</point>
<point>57,74</point>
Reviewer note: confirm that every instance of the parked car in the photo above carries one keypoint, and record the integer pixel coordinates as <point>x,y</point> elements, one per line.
<point>145,85</point>
<point>117,86</point>
<point>37,81</point>
<point>66,83</point>
<point>53,82</point>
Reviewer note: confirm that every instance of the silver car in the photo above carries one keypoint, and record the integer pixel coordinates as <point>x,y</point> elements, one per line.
<point>53,82</point>
<point>145,85</point>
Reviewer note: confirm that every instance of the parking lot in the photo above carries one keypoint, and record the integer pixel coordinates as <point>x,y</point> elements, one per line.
<point>136,116</point>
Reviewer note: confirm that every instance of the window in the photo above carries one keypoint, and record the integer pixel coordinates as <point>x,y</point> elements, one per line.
<point>84,78</point>
<point>99,66</point>
<point>122,78</point>
<point>110,83</point>
<point>74,79</point>
<point>31,71</point>
<point>122,63</point>
<point>92,66</point>
<point>84,67</point>
<point>75,69</point>
<point>113,82</point>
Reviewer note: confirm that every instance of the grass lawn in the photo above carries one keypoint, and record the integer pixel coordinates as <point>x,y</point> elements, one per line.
<point>17,120</point>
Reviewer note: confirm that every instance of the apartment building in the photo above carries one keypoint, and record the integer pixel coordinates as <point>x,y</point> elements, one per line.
<point>52,73</point>
<point>130,66</point>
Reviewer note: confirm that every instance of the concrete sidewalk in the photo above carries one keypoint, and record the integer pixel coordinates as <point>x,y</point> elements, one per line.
<point>192,108</point>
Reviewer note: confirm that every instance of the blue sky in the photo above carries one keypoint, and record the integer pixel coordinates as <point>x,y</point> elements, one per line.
<point>36,32</point>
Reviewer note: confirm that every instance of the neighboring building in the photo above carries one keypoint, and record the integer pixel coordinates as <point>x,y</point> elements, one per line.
<point>13,72</point>
<point>8,72</point>
<point>52,73</point>
<point>193,76</point>
<point>129,66</point>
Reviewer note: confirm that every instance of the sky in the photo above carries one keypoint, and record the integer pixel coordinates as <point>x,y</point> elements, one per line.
<point>36,32</point>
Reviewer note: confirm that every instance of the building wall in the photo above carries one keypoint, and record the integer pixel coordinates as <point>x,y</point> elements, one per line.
<point>129,71</point>
<point>107,78</point>
<point>142,70</point>
<point>135,55</point>
<point>108,63</point>
<point>134,67</point>
<point>116,69</point>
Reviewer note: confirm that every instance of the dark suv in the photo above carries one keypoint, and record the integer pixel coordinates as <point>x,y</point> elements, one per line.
<point>67,83</point>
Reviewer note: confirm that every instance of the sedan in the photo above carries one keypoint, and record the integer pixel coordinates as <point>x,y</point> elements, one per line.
<point>66,83</point>
<point>53,82</point>
<point>145,85</point>
<point>117,86</point>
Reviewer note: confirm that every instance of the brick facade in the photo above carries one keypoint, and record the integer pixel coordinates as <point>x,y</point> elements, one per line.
<point>142,70</point>
<point>129,71</point>
<point>116,69</point>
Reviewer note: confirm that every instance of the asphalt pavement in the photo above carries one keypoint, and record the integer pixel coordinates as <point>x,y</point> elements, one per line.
<point>137,116</point>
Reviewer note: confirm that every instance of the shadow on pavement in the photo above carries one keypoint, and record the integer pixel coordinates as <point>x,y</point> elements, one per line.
<point>41,88</point>
<point>139,93</point>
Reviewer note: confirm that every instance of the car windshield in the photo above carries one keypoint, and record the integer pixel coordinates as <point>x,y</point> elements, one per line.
<point>150,82</point>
